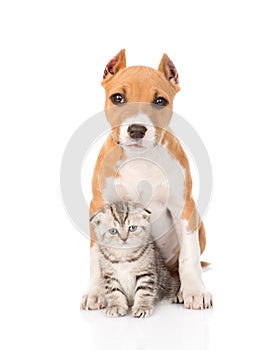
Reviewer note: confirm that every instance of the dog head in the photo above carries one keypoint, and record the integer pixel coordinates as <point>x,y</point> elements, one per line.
<point>139,101</point>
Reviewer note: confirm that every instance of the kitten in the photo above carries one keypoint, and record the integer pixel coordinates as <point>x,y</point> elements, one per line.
<point>133,270</point>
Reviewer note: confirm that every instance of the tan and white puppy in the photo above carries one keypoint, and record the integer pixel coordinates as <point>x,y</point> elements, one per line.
<point>143,161</point>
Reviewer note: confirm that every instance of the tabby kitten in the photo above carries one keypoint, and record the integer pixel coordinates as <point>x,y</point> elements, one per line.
<point>133,270</point>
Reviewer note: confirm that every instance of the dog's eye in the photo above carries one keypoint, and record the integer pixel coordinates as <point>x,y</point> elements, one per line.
<point>160,102</point>
<point>132,228</point>
<point>113,231</point>
<point>118,99</point>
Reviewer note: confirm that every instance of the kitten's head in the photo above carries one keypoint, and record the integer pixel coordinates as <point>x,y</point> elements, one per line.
<point>122,225</point>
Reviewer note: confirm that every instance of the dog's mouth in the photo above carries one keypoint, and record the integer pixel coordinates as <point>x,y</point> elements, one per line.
<point>134,145</point>
<point>138,145</point>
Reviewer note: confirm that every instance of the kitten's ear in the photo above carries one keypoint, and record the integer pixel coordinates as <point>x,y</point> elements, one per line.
<point>146,214</point>
<point>96,218</point>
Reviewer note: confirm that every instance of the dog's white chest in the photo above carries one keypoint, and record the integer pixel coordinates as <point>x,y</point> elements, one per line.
<point>153,178</point>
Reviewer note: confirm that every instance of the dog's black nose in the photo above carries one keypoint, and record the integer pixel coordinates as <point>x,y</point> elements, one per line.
<point>136,131</point>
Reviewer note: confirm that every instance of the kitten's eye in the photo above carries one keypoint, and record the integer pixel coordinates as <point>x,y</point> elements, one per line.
<point>118,99</point>
<point>160,102</point>
<point>113,231</point>
<point>132,228</point>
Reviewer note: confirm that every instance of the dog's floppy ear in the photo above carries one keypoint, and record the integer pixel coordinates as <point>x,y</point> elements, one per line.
<point>167,67</point>
<point>114,65</point>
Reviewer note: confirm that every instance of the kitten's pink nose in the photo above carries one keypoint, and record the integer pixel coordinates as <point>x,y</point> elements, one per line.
<point>124,239</point>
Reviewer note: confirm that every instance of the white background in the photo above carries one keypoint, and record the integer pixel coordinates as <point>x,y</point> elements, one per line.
<point>53,55</point>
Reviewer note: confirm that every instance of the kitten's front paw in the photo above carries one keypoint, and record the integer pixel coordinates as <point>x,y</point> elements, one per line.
<point>142,312</point>
<point>116,311</point>
<point>93,301</point>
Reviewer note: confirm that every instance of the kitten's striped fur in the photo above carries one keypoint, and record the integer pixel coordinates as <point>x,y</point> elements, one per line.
<point>133,270</point>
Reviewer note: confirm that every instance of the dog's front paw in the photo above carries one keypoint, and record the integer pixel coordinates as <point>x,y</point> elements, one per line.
<point>194,299</point>
<point>141,312</point>
<point>93,301</point>
<point>116,311</point>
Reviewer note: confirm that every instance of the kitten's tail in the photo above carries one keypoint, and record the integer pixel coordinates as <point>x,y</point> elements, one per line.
<point>175,284</point>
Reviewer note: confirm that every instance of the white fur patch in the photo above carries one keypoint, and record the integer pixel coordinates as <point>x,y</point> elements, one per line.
<point>127,281</point>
